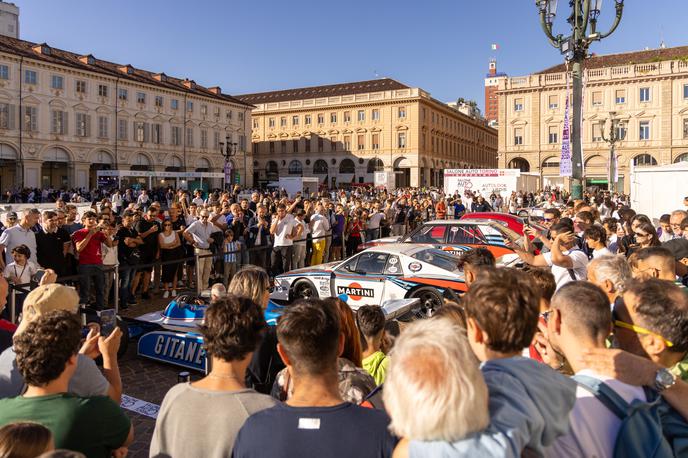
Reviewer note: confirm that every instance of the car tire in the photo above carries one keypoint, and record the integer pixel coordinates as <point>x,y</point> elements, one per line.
<point>303,289</point>
<point>430,301</point>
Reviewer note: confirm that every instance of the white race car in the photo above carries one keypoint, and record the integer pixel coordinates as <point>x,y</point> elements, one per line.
<point>377,275</point>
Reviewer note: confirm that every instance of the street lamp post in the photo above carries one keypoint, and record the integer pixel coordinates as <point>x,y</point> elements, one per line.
<point>583,21</point>
<point>228,149</point>
<point>617,132</point>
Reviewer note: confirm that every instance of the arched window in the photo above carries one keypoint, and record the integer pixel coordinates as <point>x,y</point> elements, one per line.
<point>271,171</point>
<point>682,158</point>
<point>519,163</point>
<point>375,165</point>
<point>295,168</point>
<point>347,166</point>
<point>643,160</point>
<point>320,167</point>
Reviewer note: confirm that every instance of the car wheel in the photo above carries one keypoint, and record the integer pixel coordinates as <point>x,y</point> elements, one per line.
<point>303,289</point>
<point>430,302</point>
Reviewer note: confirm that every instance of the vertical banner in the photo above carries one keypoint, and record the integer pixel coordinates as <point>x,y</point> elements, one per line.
<point>580,126</point>
<point>228,173</point>
<point>565,166</point>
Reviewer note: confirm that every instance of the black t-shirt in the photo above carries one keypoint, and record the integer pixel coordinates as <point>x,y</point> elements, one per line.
<point>123,251</point>
<point>345,430</point>
<point>150,242</point>
<point>265,363</point>
<point>50,250</point>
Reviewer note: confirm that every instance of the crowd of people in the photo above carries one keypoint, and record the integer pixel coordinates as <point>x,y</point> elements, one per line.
<point>583,351</point>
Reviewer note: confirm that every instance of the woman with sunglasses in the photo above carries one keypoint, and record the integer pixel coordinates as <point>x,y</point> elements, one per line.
<point>645,236</point>
<point>170,250</point>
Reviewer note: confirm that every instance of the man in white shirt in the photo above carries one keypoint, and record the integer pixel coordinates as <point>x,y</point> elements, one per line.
<point>374,220</point>
<point>580,320</point>
<point>199,234</point>
<point>320,225</point>
<point>283,229</point>
<point>198,198</point>
<point>567,262</point>
<point>21,234</point>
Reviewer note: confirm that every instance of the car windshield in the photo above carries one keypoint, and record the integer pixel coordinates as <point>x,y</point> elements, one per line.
<point>437,258</point>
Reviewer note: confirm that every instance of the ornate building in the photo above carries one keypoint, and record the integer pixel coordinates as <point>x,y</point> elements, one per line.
<point>643,94</point>
<point>64,116</point>
<point>343,133</point>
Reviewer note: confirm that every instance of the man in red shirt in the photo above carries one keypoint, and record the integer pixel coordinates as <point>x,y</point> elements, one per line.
<point>87,245</point>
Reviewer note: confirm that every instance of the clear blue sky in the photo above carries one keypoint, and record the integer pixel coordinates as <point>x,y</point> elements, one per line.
<point>246,46</point>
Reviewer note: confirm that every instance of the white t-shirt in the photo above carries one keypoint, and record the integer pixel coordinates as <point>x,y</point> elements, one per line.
<point>320,225</point>
<point>284,228</point>
<point>561,274</point>
<point>24,273</point>
<point>374,220</point>
<point>593,427</point>
<point>601,252</point>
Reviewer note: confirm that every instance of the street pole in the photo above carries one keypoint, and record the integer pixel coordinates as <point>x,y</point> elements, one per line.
<point>615,135</point>
<point>583,21</point>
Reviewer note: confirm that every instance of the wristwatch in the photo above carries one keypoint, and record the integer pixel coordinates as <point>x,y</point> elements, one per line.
<point>664,379</point>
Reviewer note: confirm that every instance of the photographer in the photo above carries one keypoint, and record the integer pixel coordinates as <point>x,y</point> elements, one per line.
<point>127,242</point>
<point>87,242</point>
<point>259,236</point>
<point>52,244</point>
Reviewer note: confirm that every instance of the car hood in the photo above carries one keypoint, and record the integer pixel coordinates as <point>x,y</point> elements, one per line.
<point>327,267</point>
<point>393,239</point>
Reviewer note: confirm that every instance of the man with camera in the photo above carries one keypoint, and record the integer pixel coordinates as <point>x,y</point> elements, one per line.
<point>259,236</point>
<point>87,243</point>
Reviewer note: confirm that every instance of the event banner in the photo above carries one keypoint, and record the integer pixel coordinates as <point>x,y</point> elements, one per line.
<point>565,165</point>
<point>481,181</point>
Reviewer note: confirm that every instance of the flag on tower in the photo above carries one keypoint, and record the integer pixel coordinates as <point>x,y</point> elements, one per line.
<point>495,46</point>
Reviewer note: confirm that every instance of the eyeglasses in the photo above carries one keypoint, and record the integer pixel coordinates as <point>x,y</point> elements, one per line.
<point>640,234</point>
<point>547,220</point>
<point>640,330</point>
<point>166,225</point>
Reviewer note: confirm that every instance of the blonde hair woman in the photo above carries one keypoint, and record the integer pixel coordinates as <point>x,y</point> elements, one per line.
<point>252,282</point>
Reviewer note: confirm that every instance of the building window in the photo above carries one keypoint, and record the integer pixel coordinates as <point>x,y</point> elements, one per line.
<point>644,94</point>
<point>685,91</point>
<point>518,136</point>
<point>294,120</point>
<point>204,109</point>
<point>140,97</point>
<point>347,116</point>
<point>308,144</point>
<point>240,115</point>
<point>307,120</point>
<point>402,112</point>
<point>271,122</point>
<point>103,127</point>
<point>159,101</point>
<point>596,133</point>
<point>156,136</point>
<point>283,121</point>
<point>217,112</point>
<point>644,129</point>
<point>644,159</point>
<point>295,146</point>
<point>597,99</point>
<point>620,132</point>
<point>376,141</point>
<point>30,77</point>
<point>283,146</point>
<point>174,104</point>
<point>189,137</point>
<point>333,118</point>
<point>375,115</point>
<point>4,72</point>
<point>204,138</point>
<point>57,82</point>
<point>83,125</point>
<point>6,116</point>
<point>553,102</point>
<point>272,147</point>
<point>189,106</point>
<point>553,134</point>
<point>333,143</point>
<point>176,135</point>
<point>255,123</point>
<point>102,90</point>
<point>685,128</point>
<point>122,129</point>
<point>58,122</point>
<point>347,142</point>
<point>620,96</point>
<point>360,142</point>
<point>229,115</point>
<point>361,115</point>
<point>123,94</point>
<point>216,140</point>
<point>401,140</point>
<point>321,118</point>
<point>321,145</point>
<point>81,87</point>
<point>518,105</point>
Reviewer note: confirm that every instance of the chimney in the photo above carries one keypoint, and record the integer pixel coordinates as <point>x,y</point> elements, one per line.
<point>190,84</point>
<point>215,90</point>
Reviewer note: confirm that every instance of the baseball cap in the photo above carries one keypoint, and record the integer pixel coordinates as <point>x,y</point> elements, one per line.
<point>11,215</point>
<point>678,247</point>
<point>47,298</point>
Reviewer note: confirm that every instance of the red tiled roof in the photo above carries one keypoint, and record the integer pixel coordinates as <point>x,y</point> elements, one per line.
<point>626,58</point>
<point>60,57</point>
<point>358,87</point>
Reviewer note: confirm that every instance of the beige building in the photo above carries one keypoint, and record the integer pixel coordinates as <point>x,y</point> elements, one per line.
<point>64,116</point>
<point>343,133</point>
<point>646,92</point>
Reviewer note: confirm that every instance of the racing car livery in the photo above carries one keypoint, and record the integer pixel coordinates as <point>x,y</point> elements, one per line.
<point>377,275</point>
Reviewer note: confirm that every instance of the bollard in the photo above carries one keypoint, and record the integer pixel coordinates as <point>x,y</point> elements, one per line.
<point>183,377</point>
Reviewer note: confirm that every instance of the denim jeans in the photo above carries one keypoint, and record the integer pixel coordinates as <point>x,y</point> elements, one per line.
<point>126,275</point>
<point>88,272</point>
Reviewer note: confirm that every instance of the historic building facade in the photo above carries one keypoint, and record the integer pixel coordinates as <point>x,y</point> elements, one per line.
<point>344,133</point>
<point>644,93</point>
<point>64,116</point>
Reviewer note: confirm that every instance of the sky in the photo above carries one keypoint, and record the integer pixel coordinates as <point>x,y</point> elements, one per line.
<point>244,46</point>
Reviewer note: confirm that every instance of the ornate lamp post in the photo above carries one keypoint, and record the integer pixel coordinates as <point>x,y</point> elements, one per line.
<point>583,21</point>
<point>228,149</point>
<point>617,133</point>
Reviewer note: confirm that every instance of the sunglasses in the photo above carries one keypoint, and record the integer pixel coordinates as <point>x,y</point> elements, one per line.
<point>640,234</point>
<point>637,329</point>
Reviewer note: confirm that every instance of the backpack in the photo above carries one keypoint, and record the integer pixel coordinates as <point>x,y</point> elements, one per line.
<point>640,434</point>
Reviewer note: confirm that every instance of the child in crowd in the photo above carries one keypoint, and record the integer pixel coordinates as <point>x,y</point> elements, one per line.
<point>371,323</point>
<point>21,270</point>
<point>596,239</point>
<point>232,250</point>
